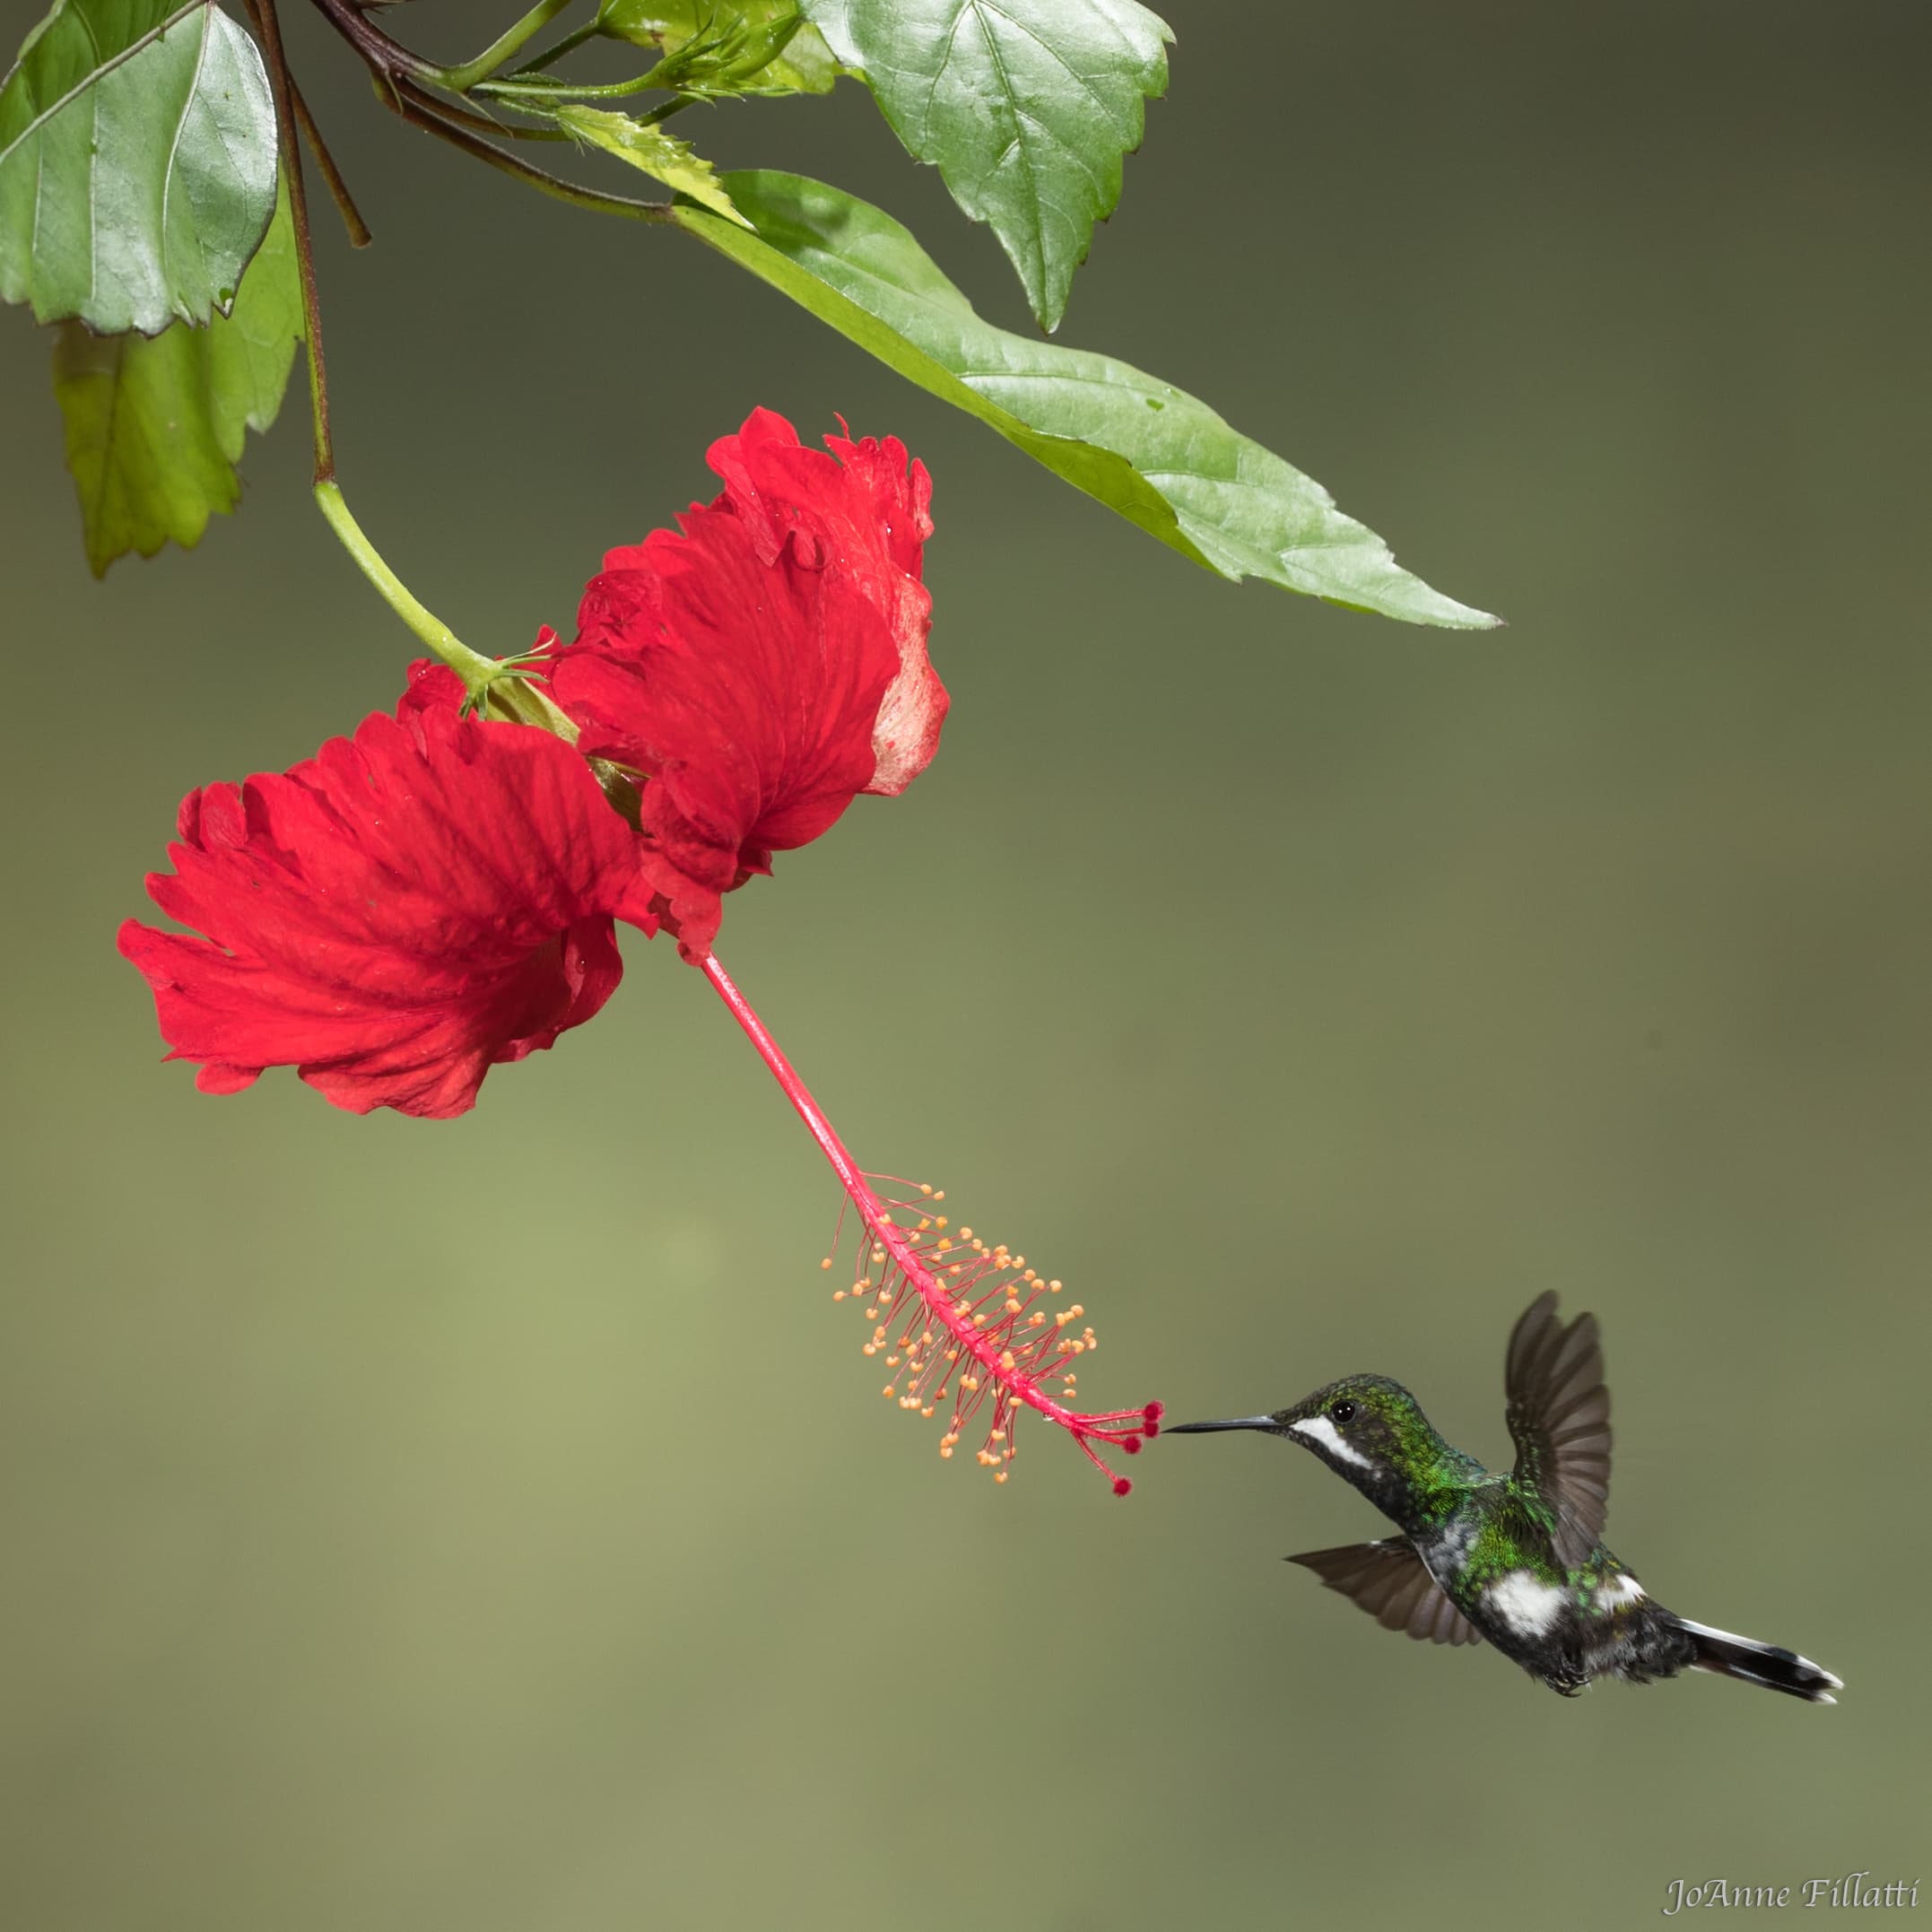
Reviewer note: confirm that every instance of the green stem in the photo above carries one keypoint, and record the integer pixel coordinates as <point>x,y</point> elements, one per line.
<point>478,673</point>
<point>677,104</point>
<point>513,91</point>
<point>511,40</point>
<point>569,43</point>
<point>494,686</point>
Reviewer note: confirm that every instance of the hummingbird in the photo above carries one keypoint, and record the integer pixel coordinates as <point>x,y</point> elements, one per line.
<point>1518,1558</point>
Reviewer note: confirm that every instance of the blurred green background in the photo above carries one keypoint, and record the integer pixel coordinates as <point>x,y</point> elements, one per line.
<point>492,1525</point>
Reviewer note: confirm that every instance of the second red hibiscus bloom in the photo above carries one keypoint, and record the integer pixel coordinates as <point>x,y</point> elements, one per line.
<point>763,668</point>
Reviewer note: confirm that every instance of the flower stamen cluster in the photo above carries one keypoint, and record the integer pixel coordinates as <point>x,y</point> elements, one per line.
<point>977,1329</point>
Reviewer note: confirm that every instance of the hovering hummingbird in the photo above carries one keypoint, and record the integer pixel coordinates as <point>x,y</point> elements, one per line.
<point>1518,1558</point>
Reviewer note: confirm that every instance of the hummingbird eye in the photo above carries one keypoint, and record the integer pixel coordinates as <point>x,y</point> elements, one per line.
<point>1342,1411</point>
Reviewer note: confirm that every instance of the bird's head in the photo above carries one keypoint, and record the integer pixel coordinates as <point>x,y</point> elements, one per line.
<point>1367,1429</point>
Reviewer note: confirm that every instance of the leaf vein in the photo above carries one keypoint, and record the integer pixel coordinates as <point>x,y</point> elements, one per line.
<point>1053,54</point>
<point>95,74</point>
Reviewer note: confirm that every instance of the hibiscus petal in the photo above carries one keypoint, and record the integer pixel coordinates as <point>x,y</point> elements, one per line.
<point>868,507</point>
<point>394,916</point>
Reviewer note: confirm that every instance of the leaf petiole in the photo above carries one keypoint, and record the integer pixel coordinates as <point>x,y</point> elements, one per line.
<point>665,110</point>
<point>569,43</point>
<point>448,113</point>
<point>417,110</point>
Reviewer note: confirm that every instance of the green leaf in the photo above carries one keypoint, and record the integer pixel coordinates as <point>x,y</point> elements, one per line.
<point>155,424</point>
<point>649,148</point>
<point>138,164</point>
<point>1152,452</point>
<point>774,49</point>
<point>1025,106</point>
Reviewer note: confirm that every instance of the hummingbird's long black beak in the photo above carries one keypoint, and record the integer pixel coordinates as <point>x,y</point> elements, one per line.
<point>1202,1428</point>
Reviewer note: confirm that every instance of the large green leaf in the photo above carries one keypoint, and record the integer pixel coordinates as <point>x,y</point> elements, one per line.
<point>650,149</point>
<point>155,424</point>
<point>138,164</point>
<point>771,47</point>
<point>1025,106</point>
<point>1150,451</point>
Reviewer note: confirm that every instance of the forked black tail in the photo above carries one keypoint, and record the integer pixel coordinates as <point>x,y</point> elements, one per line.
<point>1724,1655</point>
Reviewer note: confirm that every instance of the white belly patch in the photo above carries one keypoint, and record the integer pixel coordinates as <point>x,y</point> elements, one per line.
<point>1527,1606</point>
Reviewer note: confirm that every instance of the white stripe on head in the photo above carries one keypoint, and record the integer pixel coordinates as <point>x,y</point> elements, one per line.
<point>1319,1428</point>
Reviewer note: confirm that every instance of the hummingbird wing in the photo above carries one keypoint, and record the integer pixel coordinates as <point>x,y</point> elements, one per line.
<point>1388,1580</point>
<point>1559,1414</point>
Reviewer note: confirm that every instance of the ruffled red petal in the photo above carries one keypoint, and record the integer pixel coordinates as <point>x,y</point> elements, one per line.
<point>394,916</point>
<point>744,666</point>
<point>869,507</point>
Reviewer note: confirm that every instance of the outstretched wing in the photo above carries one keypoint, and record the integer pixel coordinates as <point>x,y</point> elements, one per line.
<point>1560,1421</point>
<point>1388,1580</point>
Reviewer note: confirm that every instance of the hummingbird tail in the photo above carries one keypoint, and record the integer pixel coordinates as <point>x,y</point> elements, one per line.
<point>1724,1655</point>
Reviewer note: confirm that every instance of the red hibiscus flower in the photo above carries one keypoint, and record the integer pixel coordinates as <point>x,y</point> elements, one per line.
<point>394,916</point>
<point>765,666</point>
